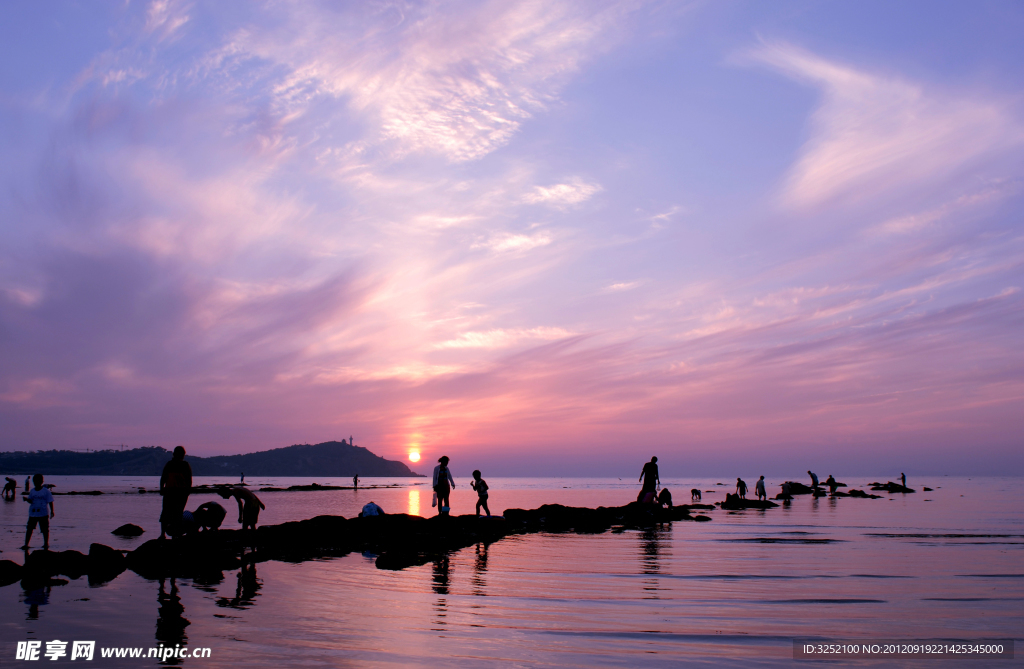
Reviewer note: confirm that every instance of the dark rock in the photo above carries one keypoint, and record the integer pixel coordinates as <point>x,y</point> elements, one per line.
<point>128,530</point>
<point>10,572</point>
<point>926,489</point>
<point>105,563</point>
<point>72,564</point>
<point>857,493</point>
<point>891,487</point>
<point>41,563</point>
<point>736,503</point>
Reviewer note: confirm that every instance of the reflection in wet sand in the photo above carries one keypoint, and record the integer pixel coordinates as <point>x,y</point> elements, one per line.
<point>652,549</point>
<point>441,579</point>
<point>36,598</point>
<point>170,621</point>
<point>479,570</point>
<point>246,590</point>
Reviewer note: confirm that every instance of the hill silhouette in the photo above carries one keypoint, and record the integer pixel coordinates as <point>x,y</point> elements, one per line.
<point>331,458</point>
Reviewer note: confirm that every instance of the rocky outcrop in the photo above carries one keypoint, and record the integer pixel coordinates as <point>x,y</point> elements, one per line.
<point>398,541</point>
<point>10,572</point>
<point>857,493</point>
<point>736,503</point>
<point>128,530</point>
<point>891,487</point>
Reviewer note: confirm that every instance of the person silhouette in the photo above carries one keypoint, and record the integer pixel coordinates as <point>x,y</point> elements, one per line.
<point>442,479</point>
<point>741,488</point>
<point>11,488</point>
<point>249,506</point>
<point>759,489</point>
<point>814,479</point>
<point>649,475</point>
<point>903,479</point>
<point>175,486</point>
<point>481,488</point>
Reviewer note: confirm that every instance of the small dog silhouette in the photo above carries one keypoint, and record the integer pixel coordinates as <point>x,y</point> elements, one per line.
<point>695,494</point>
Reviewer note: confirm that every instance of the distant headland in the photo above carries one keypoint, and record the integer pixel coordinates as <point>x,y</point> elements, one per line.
<point>331,458</point>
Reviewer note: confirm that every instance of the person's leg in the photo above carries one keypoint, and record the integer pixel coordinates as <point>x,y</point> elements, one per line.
<point>486,507</point>
<point>479,502</point>
<point>44,525</point>
<point>28,531</point>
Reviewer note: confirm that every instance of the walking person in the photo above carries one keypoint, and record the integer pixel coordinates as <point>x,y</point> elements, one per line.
<point>443,484</point>
<point>481,488</point>
<point>759,489</point>
<point>175,486</point>
<point>649,475</point>
<point>38,499</point>
<point>741,488</point>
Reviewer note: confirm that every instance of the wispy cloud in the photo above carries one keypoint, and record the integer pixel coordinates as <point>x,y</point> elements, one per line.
<point>875,132</point>
<point>503,338</point>
<point>574,192</point>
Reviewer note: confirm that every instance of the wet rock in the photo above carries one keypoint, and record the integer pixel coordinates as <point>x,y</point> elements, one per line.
<point>926,489</point>
<point>41,563</point>
<point>128,530</point>
<point>105,563</point>
<point>891,487</point>
<point>858,493</point>
<point>736,503</point>
<point>10,572</point>
<point>72,564</point>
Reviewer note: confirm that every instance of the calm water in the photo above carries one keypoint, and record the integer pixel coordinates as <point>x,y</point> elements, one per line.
<point>732,592</point>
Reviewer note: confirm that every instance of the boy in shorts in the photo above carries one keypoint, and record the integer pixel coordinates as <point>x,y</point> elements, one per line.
<point>481,487</point>
<point>38,498</point>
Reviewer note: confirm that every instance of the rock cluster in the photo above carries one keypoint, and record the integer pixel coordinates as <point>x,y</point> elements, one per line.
<point>398,541</point>
<point>736,503</point>
<point>891,487</point>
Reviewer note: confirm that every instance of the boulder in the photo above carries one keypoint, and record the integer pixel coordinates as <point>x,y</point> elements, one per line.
<point>72,564</point>
<point>891,487</point>
<point>736,503</point>
<point>128,530</point>
<point>105,563</point>
<point>10,572</point>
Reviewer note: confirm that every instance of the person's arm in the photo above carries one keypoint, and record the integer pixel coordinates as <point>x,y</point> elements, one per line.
<point>644,471</point>
<point>260,502</point>
<point>239,500</point>
<point>188,468</point>
<point>163,479</point>
<point>51,509</point>
<point>450,479</point>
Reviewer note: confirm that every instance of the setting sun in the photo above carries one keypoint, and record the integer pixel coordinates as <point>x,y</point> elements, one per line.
<point>414,456</point>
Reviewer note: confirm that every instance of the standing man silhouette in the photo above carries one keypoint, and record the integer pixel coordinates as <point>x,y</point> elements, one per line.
<point>649,476</point>
<point>175,486</point>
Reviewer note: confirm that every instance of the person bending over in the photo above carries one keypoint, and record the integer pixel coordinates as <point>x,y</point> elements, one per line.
<point>249,506</point>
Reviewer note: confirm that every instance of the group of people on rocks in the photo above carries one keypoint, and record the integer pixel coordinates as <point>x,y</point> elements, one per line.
<point>176,486</point>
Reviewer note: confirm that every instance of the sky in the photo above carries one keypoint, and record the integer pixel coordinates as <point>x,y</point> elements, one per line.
<point>543,238</point>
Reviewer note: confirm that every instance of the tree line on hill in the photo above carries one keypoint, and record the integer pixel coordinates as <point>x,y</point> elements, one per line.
<point>331,458</point>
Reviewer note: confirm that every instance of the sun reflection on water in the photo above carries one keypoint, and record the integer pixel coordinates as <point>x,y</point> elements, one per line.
<point>414,502</point>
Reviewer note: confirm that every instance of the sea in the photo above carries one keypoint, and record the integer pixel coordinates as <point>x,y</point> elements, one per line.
<point>944,564</point>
